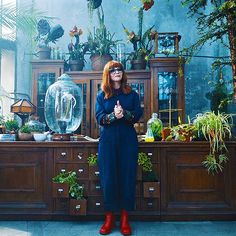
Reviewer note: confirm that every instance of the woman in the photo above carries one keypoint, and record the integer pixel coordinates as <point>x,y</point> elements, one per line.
<point>117,109</point>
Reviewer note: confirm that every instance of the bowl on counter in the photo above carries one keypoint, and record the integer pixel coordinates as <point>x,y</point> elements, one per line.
<point>39,137</point>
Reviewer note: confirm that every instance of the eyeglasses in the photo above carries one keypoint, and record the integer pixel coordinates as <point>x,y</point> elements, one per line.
<point>116,69</point>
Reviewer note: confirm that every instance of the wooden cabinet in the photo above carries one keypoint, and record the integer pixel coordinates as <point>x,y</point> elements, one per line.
<point>184,190</point>
<point>167,89</point>
<point>45,73</point>
<point>156,88</point>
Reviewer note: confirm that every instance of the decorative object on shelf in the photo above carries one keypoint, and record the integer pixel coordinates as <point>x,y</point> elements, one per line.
<point>142,42</point>
<point>156,126</point>
<point>77,50</point>
<point>23,108</point>
<point>167,43</point>
<point>24,133</point>
<point>216,128</point>
<point>100,43</point>
<point>45,35</point>
<point>63,107</point>
<point>120,53</point>
<point>165,134</point>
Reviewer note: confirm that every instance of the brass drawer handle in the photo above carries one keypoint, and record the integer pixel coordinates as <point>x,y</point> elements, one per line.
<point>97,173</point>
<point>150,154</point>
<point>151,189</point>
<point>63,154</point>
<point>60,190</point>
<point>98,187</point>
<point>98,204</point>
<point>81,170</point>
<point>77,207</point>
<point>150,204</point>
<point>63,170</point>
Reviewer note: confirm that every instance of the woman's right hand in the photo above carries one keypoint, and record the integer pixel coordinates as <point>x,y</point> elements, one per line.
<point>118,110</point>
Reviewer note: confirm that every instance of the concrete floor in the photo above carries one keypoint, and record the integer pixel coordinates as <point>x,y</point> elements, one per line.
<point>91,228</point>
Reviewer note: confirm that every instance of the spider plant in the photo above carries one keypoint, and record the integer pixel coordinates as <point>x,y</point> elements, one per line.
<point>215,128</point>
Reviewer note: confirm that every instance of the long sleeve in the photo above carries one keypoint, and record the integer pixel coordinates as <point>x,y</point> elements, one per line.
<point>102,117</point>
<point>134,115</point>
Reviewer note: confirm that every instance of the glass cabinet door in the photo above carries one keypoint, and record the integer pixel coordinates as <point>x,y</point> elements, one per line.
<point>44,80</point>
<point>167,88</point>
<point>84,128</point>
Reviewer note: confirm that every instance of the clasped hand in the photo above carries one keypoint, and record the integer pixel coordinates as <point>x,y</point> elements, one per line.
<point>118,110</point>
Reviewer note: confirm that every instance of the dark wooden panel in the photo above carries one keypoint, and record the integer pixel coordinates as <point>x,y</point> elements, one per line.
<point>24,173</point>
<point>186,184</point>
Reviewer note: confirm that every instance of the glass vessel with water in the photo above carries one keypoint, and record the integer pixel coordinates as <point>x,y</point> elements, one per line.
<point>63,106</point>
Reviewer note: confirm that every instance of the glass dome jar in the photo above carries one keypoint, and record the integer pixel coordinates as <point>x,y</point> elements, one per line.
<point>155,125</point>
<point>63,105</point>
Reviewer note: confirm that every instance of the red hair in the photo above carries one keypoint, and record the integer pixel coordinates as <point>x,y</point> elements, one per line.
<point>106,79</point>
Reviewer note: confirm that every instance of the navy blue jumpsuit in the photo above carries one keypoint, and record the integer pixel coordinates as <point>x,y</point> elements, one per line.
<point>118,151</point>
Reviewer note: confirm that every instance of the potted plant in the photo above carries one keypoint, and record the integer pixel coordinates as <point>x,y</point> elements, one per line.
<point>151,185</point>
<point>77,50</point>
<point>93,167</point>
<point>24,133</point>
<point>183,132</point>
<point>46,34</point>
<point>100,43</point>
<point>142,42</point>
<point>65,185</point>
<point>215,128</point>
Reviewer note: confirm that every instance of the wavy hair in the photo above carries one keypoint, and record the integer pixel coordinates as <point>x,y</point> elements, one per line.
<point>106,79</point>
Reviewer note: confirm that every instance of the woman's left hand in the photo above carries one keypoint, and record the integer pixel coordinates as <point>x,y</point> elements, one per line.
<point>118,110</point>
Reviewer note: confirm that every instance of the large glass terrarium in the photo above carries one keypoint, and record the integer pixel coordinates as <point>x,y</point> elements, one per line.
<point>63,106</point>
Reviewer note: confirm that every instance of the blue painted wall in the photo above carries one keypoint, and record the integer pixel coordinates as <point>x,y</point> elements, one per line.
<point>168,16</point>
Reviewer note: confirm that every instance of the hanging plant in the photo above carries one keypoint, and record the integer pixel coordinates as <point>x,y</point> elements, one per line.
<point>92,5</point>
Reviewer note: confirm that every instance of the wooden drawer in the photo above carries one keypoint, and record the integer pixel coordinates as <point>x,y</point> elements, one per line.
<point>151,189</point>
<point>95,205</point>
<point>150,204</point>
<point>62,154</point>
<point>152,176</point>
<point>152,153</point>
<point>60,190</point>
<point>139,173</point>
<point>138,189</point>
<point>93,173</point>
<point>85,184</point>
<point>80,169</point>
<point>62,205</point>
<point>79,155</point>
<point>78,207</point>
<point>95,188</point>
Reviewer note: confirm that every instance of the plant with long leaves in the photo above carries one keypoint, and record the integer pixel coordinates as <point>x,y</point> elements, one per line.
<point>216,128</point>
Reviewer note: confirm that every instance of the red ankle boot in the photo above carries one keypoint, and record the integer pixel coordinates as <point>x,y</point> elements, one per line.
<point>125,228</point>
<point>109,223</point>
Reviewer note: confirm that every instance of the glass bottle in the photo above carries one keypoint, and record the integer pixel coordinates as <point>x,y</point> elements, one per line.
<point>63,106</point>
<point>155,125</point>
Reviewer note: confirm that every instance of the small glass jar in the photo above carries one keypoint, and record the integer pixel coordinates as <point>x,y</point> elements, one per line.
<point>155,125</point>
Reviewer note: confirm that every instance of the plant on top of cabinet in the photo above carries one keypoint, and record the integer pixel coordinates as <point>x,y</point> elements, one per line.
<point>142,42</point>
<point>92,160</point>
<point>24,133</point>
<point>216,128</point>
<point>101,43</point>
<point>11,126</point>
<point>46,34</point>
<point>77,50</point>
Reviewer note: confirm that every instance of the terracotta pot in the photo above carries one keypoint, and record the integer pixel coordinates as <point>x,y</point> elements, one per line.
<point>165,133</point>
<point>44,53</point>
<point>138,64</point>
<point>98,62</point>
<point>25,136</point>
<point>76,65</point>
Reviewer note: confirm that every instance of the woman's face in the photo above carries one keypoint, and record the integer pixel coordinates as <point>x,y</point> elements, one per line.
<point>116,74</point>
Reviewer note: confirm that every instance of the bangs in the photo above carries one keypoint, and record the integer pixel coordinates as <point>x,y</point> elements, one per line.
<point>114,64</point>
